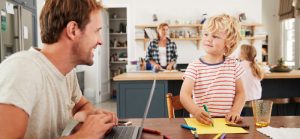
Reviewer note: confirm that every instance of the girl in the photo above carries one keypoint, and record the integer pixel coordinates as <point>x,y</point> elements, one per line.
<point>253,73</point>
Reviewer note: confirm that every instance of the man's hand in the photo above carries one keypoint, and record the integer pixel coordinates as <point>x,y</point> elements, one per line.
<point>114,119</point>
<point>95,126</point>
<point>81,116</point>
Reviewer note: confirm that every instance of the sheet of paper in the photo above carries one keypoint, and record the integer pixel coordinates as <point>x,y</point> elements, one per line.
<point>280,133</point>
<point>219,127</point>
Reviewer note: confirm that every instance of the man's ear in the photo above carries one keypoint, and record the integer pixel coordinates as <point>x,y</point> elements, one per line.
<point>72,30</point>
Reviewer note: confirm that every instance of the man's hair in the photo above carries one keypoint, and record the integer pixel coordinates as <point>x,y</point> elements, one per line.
<point>227,24</point>
<point>56,14</point>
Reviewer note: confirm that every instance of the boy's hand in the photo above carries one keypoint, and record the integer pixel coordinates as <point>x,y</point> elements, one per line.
<point>203,117</point>
<point>233,117</point>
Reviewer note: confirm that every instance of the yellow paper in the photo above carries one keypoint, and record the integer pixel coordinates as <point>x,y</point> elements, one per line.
<point>219,127</point>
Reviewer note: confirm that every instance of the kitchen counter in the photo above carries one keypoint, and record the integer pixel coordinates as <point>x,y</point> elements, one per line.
<point>149,76</point>
<point>178,76</point>
<point>133,91</point>
<point>283,75</point>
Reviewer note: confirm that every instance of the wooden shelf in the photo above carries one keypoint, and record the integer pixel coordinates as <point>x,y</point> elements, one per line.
<point>170,25</point>
<point>195,26</point>
<point>255,38</point>
<point>199,27</point>
<point>118,48</point>
<point>192,25</point>
<point>118,62</point>
<point>174,39</point>
<point>251,24</point>
<point>118,19</point>
<point>117,33</point>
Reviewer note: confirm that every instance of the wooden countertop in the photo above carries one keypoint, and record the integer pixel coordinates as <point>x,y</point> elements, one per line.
<point>283,75</point>
<point>178,76</point>
<point>149,76</point>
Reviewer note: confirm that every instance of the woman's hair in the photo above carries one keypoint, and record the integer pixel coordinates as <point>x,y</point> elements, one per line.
<point>159,27</point>
<point>56,14</point>
<point>249,53</point>
<point>229,25</point>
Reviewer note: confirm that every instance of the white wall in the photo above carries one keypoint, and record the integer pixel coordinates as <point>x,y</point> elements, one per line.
<point>272,24</point>
<point>187,10</point>
<point>39,6</point>
<point>297,36</point>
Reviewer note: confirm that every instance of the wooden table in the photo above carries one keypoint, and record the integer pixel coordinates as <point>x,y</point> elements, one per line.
<point>171,128</point>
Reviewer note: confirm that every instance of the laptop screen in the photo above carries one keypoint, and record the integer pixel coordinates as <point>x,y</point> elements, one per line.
<point>147,108</point>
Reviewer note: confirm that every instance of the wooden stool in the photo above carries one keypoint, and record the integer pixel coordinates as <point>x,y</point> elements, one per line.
<point>280,107</point>
<point>280,100</point>
<point>296,101</point>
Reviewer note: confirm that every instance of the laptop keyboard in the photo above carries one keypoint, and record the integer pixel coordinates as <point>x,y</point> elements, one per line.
<point>121,132</point>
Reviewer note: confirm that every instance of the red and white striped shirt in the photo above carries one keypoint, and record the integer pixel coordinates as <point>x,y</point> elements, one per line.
<point>215,84</point>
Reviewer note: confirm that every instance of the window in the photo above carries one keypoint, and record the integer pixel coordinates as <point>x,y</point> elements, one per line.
<point>288,37</point>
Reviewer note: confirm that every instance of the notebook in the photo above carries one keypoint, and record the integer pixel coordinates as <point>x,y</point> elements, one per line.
<point>132,132</point>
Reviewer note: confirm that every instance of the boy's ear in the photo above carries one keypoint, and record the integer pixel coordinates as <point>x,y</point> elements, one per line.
<point>71,30</point>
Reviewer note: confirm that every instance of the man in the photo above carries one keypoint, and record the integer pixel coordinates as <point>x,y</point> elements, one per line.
<point>39,91</point>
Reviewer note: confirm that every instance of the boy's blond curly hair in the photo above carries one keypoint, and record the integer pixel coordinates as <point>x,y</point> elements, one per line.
<point>230,26</point>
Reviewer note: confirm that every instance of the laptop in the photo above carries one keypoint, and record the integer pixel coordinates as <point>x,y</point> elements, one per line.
<point>132,132</point>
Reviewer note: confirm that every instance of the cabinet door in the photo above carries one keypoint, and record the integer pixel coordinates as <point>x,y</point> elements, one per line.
<point>132,99</point>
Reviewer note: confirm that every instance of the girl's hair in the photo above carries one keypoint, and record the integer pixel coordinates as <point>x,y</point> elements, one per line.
<point>229,25</point>
<point>249,53</point>
<point>159,27</point>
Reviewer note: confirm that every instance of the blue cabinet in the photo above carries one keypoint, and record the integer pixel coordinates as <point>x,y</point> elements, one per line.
<point>132,97</point>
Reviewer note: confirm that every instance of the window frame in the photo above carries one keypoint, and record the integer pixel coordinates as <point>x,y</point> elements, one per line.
<point>285,41</point>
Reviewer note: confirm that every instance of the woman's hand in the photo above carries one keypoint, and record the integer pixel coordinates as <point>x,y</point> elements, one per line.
<point>169,67</point>
<point>233,117</point>
<point>203,117</point>
<point>157,67</point>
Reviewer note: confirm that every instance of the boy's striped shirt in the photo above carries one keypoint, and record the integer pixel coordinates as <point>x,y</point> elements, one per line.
<point>214,84</point>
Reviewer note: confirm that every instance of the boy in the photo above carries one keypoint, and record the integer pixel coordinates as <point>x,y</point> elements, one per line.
<point>214,79</point>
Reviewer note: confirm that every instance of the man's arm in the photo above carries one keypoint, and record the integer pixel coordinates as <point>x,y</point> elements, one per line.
<point>83,105</point>
<point>13,121</point>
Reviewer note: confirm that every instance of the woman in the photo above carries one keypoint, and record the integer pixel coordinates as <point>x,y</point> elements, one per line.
<point>162,52</point>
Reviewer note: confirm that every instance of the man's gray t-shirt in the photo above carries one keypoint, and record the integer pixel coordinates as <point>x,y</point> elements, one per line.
<point>28,80</point>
